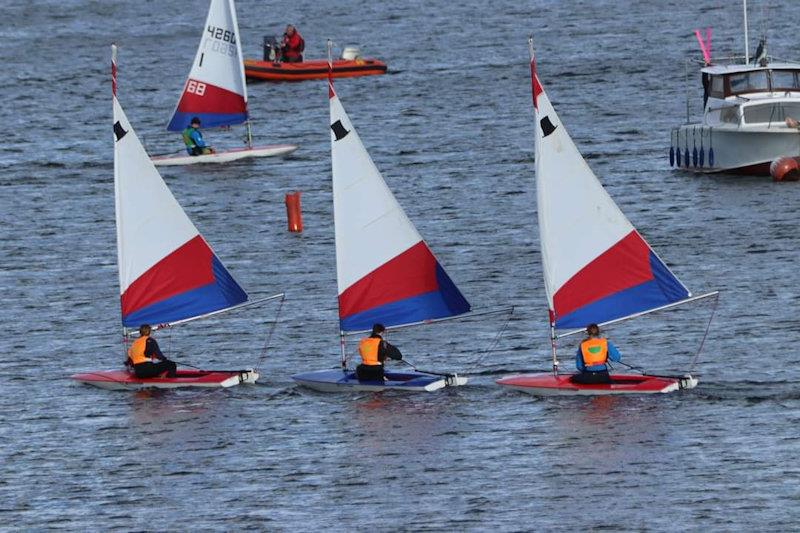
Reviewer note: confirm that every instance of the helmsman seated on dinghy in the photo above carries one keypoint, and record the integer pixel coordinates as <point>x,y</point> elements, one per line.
<point>143,353</point>
<point>193,139</point>
<point>374,351</point>
<point>592,355</point>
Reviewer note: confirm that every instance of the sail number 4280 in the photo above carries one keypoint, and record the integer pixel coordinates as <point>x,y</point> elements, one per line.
<point>222,34</point>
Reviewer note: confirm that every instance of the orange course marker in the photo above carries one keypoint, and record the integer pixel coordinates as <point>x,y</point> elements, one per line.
<point>293,214</point>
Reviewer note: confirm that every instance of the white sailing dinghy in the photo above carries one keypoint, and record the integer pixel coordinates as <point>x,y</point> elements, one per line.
<point>385,271</point>
<point>168,274</point>
<point>597,267</point>
<point>216,91</point>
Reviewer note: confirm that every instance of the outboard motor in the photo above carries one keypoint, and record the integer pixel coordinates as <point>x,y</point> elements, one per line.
<point>272,51</point>
<point>351,52</point>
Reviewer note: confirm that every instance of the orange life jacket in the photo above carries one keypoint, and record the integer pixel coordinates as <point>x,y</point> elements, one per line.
<point>594,352</point>
<point>368,349</point>
<point>136,351</point>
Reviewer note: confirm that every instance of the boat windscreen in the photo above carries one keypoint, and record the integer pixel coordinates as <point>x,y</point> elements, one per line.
<point>784,79</point>
<point>748,81</point>
<point>771,113</point>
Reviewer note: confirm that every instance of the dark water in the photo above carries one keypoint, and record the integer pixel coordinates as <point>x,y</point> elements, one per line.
<point>452,132</point>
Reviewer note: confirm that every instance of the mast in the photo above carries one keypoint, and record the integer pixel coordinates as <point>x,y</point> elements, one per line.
<point>330,64</point>
<point>342,334</point>
<point>746,42</point>
<point>550,307</point>
<point>232,11</point>
<point>342,342</point>
<point>125,334</point>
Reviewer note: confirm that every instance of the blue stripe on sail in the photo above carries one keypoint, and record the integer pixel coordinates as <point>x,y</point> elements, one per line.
<point>224,292</point>
<point>663,289</point>
<point>445,302</point>
<point>180,121</point>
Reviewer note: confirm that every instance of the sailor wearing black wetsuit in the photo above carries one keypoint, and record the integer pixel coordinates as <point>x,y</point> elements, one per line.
<point>143,352</point>
<point>374,351</point>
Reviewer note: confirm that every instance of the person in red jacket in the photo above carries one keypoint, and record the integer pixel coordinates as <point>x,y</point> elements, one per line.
<point>292,46</point>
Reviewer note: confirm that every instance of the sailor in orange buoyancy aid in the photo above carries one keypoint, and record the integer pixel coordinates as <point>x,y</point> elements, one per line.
<point>592,355</point>
<point>142,355</point>
<point>374,351</point>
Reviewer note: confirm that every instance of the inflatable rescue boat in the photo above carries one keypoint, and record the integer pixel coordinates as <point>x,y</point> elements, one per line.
<point>349,65</point>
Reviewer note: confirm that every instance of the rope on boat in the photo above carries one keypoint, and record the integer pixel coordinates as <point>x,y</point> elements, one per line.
<point>493,344</point>
<point>705,335</point>
<point>269,335</point>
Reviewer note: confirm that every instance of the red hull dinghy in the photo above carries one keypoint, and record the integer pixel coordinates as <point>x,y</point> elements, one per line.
<point>549,384</point>
<point>597,268</point>
<point>168,273</point>
<point>125,380</point>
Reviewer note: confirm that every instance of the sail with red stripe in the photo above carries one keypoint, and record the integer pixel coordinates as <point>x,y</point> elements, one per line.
<point>597,267</point>
<point>215,91</point>
<point>167,271</point>
<point>385,271</point>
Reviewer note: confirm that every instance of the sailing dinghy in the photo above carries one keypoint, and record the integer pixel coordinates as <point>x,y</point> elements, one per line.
<point>597,267</point>
<point>385,271</point>
<point>216,92</point>
<point>168,274</point>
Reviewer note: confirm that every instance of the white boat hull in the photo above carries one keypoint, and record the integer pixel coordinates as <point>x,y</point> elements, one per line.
<point>741,150</point>
<point>274,150</point>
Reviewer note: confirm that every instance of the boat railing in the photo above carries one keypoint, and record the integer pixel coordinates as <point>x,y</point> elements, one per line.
<point>737,60</point>
<point>724,60</point>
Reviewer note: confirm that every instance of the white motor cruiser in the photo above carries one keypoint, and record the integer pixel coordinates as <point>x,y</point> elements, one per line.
<point>751,111</point>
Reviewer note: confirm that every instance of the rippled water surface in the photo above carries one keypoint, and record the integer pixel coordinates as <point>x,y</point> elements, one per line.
<point>451,128</point>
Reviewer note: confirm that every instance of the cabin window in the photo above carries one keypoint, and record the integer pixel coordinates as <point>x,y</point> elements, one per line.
<point>729,114</point>
<point>748,82</point>
<point>771,113</point>
<point>784,79</point>
<point>717,87</point>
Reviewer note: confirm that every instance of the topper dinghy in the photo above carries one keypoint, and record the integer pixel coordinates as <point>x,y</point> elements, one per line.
<point>597,267</point>
<point>396,280</point>
<point>168,273</point>
<point>216,92</point>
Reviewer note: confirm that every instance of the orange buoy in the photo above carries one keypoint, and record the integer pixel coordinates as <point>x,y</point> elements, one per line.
<point>785,169</point>
<point>293,213</point>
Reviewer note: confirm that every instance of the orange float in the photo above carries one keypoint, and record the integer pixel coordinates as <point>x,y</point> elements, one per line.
<point>785,169</point>
<point>294,215</point>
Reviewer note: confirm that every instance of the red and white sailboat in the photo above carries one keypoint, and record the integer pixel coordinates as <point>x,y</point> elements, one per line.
<point>597,267</point>
<point>385,271</point>
<point>168,274</point>
<point>216,91</point>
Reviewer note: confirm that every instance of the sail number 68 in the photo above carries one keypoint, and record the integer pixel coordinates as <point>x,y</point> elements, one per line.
<point>196,87</point>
